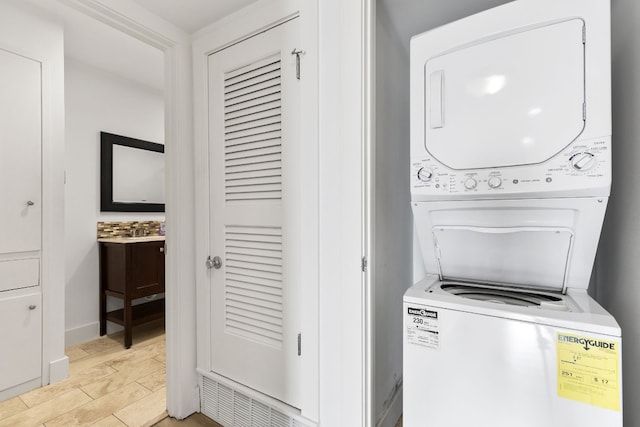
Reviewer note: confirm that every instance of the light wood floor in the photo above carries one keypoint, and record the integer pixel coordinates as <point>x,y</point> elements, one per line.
<point>108,386</point>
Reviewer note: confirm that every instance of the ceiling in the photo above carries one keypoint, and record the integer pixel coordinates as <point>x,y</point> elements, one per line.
<point>100,46</point>
<point>408,16</point>
<point>192,15</point>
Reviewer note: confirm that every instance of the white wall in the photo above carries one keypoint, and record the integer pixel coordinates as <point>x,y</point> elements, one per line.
<point>96,101</point>
<point>618,270</point>
<point>393,221</point>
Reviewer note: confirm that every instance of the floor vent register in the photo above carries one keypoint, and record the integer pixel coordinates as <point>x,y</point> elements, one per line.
<point>231,408</point>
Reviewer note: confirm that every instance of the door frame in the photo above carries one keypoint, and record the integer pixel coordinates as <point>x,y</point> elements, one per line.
<point>132,19</point>
<point>347,109</point>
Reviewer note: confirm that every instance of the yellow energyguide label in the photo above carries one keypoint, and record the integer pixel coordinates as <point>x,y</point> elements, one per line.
<point>588,370</point>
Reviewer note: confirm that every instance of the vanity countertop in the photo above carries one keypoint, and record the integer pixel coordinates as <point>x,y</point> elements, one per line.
<point>131,239</point>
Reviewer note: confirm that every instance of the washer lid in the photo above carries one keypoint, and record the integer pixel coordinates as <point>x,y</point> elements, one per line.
<point>532,257</point>
<point>513,99</point>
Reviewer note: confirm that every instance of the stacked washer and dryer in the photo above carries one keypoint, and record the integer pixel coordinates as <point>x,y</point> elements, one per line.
<point>510,176</point>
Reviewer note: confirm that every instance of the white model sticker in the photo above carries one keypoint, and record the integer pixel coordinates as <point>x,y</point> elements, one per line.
<point>422,328</point>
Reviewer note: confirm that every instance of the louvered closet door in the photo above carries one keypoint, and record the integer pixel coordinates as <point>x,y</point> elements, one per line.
<point>255,181</point>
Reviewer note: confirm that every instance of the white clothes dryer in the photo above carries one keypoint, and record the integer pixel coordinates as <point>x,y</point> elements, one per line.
<point>510,177</point>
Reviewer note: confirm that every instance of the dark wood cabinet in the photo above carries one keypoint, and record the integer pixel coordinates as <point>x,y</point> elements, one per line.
<point>130,270</point>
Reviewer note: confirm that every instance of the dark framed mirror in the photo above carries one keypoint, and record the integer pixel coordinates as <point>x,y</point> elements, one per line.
<point>131,174</point>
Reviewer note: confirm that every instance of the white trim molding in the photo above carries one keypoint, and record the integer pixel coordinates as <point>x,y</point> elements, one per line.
<point>368,204</point>
<point>131,18</point>
<point>346,311</point>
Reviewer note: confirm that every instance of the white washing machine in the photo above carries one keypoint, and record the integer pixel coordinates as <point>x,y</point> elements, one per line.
<point>510,176</point>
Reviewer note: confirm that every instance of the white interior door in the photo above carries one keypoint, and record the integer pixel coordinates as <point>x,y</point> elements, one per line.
<point>20,153</point>
<point>256,176</point>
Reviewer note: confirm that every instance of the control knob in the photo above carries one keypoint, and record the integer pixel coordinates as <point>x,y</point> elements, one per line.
<point>470,183</point>
<point>582,161</point>
<point>495,182</point>
<point>425,175</point>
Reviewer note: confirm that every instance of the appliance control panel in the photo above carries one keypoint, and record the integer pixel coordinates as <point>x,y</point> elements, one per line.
<point>582,165</point>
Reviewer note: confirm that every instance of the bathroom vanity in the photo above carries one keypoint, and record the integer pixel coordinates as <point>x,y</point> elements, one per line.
<point>131,268</point>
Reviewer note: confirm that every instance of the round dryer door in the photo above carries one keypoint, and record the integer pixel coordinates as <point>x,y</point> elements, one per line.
<point>512,100</point>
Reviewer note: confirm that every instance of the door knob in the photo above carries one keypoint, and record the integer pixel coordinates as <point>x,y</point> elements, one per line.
<point>215,262</point>
<point>32,307</point>
<point>31,203</point>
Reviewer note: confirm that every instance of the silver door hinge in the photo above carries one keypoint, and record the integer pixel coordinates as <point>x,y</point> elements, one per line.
<point>297,53</point>
<point>300,344</point>
<point>584,34</point>
<point>584,111</point>
<point>364,264</point>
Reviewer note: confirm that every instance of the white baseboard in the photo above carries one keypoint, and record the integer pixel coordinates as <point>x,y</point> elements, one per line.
<point>58,370</point>
<point>87,332</point>
<point>394,411</point>
<point>20,388</point>
<point>81,334</point>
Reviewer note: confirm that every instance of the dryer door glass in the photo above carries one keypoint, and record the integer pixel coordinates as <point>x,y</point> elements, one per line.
<point>513,100</point>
